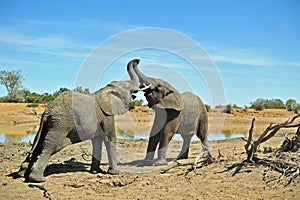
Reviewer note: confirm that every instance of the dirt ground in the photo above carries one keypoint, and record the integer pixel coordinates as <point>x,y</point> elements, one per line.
<point>67,175</point>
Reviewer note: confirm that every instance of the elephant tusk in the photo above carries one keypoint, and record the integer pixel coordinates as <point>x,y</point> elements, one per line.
<point>145,87</point>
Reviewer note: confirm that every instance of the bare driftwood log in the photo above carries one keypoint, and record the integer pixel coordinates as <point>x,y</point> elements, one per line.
<point>251,146</point>
<point>205,162</point>
<point>292,144</point>
<point>289,170</point>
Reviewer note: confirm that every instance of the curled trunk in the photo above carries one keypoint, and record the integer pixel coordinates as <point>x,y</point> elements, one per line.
<point>143,79</point>
<point>133,76</point>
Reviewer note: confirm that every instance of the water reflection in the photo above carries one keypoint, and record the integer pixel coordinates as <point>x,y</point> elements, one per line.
<point>18,138</point>
<point>27,133</point>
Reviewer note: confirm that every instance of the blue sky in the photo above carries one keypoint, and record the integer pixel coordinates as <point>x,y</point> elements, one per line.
<point>255,45</point>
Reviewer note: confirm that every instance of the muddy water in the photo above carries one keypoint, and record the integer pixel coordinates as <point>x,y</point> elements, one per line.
<point>26,132</point>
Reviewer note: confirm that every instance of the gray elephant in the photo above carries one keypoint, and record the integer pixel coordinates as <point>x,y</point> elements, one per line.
<point>74,117</point>
<point>184,114</point>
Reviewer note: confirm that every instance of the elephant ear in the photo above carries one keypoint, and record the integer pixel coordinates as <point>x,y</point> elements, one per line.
<point>171,100</point>
<point>111,101</point>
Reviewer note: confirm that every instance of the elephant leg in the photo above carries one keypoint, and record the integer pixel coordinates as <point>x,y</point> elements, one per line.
<point>154,138</point>
<point>202,135</point>
<point>110,140</point>
<point>38,168</point>
<point>171,127</point>
<point>97,154</point>
<point>152,144</point>
<point>162,150</point>
<point>53,142</point>
<point>165,138</point>
<point>185,147</point>
<point>112,156</point>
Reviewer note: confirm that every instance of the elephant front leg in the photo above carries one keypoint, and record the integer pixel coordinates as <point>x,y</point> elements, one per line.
<point>112,155</point>
<point>163,148</point>
<point>170,129</point>
<point>152,144</point>
<point>97,155</point>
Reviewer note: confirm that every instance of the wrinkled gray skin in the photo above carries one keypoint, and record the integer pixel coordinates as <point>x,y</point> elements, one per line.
<point>74,117</point>
<point>184,114</point>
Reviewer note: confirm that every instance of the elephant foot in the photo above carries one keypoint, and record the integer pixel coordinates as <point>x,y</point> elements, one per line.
<point>21,173</point>
<point>112,171</point>
<point>160,162</point>
<point>145,162</point>
<point>204,154</point>
<point>96,171</point>
<point>181,157</point>
<point>36,177</point>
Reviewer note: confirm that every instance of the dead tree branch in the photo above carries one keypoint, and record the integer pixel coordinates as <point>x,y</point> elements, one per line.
<point>41,187</point>
<point>204,163</point>
<point>289,171</point>
<point>251,146</point>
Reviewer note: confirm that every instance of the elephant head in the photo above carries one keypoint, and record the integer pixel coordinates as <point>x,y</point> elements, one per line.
<point>159,92</point>
<point>114,99</point>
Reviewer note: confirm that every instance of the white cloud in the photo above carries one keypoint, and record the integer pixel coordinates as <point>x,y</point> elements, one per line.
<point>246,57</point>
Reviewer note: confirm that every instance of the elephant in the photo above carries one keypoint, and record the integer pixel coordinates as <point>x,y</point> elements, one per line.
<point>74,117</point>
<point>184,114</point>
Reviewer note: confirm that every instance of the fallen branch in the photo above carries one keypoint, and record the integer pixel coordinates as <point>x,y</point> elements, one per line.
<point>41,187</point>
<point>208,160</point>
<point>289,172</point>
<point>251,146</point>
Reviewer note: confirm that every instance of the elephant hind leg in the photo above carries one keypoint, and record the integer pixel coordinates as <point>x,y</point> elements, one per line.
<point>37,171</point>
<point>185,147</point>
<point>202,135</point>
<point>49,147</point>
<point>36,148</point>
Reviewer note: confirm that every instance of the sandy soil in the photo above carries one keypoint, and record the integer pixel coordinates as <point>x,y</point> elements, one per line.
<point>67,175</point>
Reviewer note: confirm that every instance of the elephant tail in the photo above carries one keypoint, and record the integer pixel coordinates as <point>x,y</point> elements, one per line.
<point>40,136</point>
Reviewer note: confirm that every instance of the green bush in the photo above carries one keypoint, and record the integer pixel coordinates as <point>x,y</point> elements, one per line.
<point>208,107</point>
<point>135,103</point>
<point>228,109</point>
<point>260,104</point>
<point>32,105</point>
<point>297,109</point>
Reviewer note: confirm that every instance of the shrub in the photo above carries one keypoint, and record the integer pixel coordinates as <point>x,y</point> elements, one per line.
<point>228,109</point>
<point>32,105</point>
<point>208,108</point>
<point>260,104</point>
<point>135,103</point>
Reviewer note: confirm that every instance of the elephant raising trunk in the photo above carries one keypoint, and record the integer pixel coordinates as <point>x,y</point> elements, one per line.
<point>184,114</point>
<point>74,117</point>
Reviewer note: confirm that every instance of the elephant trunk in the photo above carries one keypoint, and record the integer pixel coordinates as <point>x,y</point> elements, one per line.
<point>143,79</point>
<point>133,76</point>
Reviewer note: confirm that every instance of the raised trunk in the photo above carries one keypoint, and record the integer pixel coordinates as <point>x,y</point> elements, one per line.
<point>144,80</point>
<point>133,77</point>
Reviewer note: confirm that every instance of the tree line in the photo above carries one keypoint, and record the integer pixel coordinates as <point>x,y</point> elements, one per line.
<point>13,82</point>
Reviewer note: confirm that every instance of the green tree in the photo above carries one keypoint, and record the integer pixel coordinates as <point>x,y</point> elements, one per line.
<point>208,107</point>
<point>291,104</point>
<point>297,109</point>
<point>135,103</point>
<point>13,82</point>
<point>260,104</point>
<point>228,109</point>
<point>81,90</point>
